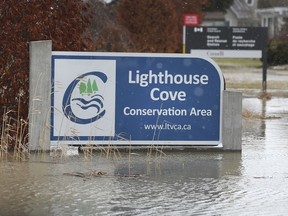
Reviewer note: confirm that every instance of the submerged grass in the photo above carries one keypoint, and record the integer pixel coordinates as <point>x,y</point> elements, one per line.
<point>246,114</point>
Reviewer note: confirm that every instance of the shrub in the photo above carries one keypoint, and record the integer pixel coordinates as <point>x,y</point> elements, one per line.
<point>277,53</point>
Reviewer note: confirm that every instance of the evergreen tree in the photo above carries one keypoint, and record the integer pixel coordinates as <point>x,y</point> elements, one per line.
<point>82,88</point>
<point>217,5</point>
<point>94,86</point>
<point>89,87</point>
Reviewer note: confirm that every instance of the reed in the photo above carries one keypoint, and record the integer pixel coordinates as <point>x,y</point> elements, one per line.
<point>15,140</point>
<point>14,136</point>
<point>88,151</point>
<point>246,114</point>
<point>5,134</point>
<point>155,148</point>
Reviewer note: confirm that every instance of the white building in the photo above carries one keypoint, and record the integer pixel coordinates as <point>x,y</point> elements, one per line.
<point>248,13</point>
<point>241,13</point>
<point>273,18</point>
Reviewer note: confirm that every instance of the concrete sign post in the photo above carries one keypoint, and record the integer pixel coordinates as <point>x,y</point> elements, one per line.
<point>39,94</point>
<point>135,99</point>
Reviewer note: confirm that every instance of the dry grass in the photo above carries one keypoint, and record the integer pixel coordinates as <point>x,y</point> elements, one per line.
<point>235,62</point>
<point>246,114</point>
<point>272,85</point>
<point>14,136</point>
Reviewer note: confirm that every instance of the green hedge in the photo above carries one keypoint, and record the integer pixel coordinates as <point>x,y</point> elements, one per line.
<point>277,53</point>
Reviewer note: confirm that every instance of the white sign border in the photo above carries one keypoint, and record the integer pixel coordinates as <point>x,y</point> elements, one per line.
<point>216,144</point>
<point>218,53</point>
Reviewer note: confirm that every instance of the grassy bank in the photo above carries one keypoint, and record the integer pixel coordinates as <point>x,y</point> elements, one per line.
<point>245,75</point>
<point>238,62</point>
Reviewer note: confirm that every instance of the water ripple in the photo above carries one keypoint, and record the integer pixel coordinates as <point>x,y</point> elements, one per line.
<point>188,183</point>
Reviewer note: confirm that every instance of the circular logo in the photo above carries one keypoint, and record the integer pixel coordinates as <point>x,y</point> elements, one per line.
<point>83,102</point>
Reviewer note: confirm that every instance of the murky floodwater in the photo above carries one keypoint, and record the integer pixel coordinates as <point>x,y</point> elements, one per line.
<point>254,182</point>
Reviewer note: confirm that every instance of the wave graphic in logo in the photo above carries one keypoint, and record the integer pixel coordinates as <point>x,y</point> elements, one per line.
<point>86,100</point>
<point>97,103</point>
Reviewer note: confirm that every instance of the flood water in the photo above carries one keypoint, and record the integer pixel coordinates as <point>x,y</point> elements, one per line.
<point>253,182</point>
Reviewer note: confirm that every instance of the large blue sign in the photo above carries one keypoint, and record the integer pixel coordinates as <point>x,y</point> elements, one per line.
<point>135,99</point>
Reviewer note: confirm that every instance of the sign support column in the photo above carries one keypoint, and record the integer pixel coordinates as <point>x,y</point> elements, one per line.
<point>264,61</point>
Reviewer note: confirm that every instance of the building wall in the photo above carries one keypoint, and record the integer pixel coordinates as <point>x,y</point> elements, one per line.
<point>231,19</point>
<point>273,18</point>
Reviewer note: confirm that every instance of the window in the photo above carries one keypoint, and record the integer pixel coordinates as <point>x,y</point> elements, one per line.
<point>249,2</point>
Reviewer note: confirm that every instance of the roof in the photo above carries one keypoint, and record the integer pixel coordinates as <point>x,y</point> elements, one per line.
<point>270,4</point>
<point>241,9</point>
<point>279,11</point>
<point>214,16</point>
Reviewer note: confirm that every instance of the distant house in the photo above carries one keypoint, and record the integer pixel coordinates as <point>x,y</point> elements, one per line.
<point>274,18</point>
<point>241,13</point>
<point>215,19</point>
<point>251,13</point>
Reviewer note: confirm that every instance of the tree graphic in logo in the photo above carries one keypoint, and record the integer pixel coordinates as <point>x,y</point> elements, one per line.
<point>82,102</point>
<point>88,88</point>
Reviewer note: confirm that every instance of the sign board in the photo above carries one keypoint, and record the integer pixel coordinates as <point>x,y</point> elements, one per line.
<point>191,20</point>
<point>135,99</point>
<point>226,42</point>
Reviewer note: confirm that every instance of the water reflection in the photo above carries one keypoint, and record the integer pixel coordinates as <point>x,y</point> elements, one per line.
<point>38,187</point>
<point>179,183</point>
<point>183,182</point>
<point>272,121</point>
<point>186,163</point>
